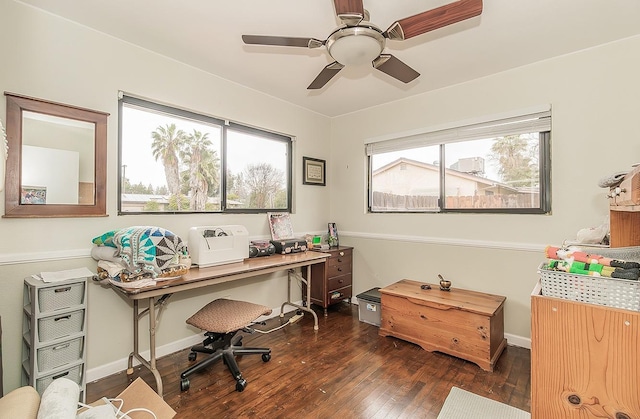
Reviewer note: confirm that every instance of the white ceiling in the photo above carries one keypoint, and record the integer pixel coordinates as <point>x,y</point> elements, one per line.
<point>207,34</point>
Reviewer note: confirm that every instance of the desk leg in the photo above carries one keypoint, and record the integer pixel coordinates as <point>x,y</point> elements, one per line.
<point>136,335</point>
<point>308,301</point>
<point>151,364</point>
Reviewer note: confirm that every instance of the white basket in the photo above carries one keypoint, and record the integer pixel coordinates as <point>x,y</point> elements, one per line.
<point>65,324</point>
<point>611,292</point>
<point>63,296</point>
<point>74,374</point>
<point>55,356</point>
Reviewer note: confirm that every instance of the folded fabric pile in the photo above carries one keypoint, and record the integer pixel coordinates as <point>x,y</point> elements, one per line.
<point>578,262</point>
<point>138,256</point>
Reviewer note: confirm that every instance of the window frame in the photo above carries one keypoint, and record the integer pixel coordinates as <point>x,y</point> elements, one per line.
<point>225,126</point>
<point>447,136</point>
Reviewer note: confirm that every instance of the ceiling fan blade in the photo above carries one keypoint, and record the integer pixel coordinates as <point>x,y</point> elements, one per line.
<point>325,75</point>
<point>434,19</point>
<point>389,64</point>
<point>282,41</point>
<point>351,12</point>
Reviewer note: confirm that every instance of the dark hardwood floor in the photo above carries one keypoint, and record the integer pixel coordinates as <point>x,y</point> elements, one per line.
<point>344,370</point>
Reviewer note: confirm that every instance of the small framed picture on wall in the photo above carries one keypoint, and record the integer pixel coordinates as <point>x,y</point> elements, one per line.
<point>313,171</point>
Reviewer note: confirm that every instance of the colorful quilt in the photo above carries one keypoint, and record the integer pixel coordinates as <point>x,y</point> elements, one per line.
<point>147,248</point>
<point>140,252</point>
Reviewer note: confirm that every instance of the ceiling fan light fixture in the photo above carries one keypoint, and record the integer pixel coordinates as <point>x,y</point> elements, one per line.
<point>355,45</point>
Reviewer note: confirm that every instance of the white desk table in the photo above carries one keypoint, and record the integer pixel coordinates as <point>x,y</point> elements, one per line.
<point>202,277</point>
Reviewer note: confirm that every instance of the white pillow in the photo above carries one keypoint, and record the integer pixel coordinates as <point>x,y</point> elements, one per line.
<point>59,400</point>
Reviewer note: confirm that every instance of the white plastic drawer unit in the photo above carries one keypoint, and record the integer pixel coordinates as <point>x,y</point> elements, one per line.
<point>54,332</point>
<point>60,297</point>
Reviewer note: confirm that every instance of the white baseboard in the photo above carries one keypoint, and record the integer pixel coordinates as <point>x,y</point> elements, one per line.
<point>120,365</point>
<point>516,340</point>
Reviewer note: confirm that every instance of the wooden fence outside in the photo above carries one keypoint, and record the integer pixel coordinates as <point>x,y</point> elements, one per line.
<point>391,202</point>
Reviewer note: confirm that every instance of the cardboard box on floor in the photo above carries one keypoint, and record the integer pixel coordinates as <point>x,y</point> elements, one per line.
<point>138,394</point>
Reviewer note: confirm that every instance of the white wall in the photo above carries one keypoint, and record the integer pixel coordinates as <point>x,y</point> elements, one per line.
<point>594,98</point>
<point>47,57</point>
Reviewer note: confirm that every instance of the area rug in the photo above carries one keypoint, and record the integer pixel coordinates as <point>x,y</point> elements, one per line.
<point>461,404</point>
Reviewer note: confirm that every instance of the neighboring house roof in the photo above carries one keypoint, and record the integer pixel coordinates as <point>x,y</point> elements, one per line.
<point>450,172</point>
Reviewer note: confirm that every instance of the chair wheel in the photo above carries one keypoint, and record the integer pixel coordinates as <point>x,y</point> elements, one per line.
<point>266,357</point>
<point>241,384</point>
<point>184,384</point>
<point>192,356</point>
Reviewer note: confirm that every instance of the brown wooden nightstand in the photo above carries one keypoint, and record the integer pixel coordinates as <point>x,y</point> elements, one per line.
<point>331,282</point>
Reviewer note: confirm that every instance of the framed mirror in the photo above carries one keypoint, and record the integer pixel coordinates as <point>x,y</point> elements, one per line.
<point>56,165</point>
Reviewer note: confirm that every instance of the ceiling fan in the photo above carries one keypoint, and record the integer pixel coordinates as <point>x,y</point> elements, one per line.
<point>358,41</point>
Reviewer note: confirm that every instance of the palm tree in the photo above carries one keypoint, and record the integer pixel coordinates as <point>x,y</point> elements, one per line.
<point>203,168</point>
<point>166,145</point>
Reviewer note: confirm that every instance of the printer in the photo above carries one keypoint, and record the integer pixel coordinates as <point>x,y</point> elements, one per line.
<point>217,245</point>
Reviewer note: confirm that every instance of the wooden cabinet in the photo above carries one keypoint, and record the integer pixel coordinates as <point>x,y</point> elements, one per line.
<point>624,226</point>
<point>331,282</point>
<point>462,323</point>
<point>54,332</point>
<point>624,211</point>
<point>585,360</point>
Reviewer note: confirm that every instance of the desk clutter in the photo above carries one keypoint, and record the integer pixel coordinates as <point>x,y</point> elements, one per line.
<point>140,256</point>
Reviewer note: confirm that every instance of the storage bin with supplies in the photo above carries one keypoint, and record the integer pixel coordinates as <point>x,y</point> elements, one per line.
<point>605,291</point>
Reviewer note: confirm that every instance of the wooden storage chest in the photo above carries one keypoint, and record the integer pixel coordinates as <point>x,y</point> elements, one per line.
<point>462,323</point>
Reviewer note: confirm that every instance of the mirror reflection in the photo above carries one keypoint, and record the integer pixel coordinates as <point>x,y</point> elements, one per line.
<point>57,160</point>
<point>56,166</point>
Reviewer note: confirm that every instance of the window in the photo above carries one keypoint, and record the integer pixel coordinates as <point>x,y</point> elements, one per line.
<point>176,161</point>
<point>499,165</point>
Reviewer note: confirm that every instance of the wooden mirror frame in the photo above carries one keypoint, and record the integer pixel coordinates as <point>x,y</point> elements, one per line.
<point>16,105</point>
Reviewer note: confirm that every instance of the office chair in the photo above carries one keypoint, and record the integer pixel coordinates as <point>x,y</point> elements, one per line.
<point>222,319</point>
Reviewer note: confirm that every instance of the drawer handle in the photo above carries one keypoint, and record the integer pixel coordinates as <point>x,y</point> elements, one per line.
<point>67,317</point>
<point>339,260</point>
<point>62,289</point>
<point>55,377</point>
<point>57,348</point>
<point>620,415</point>
<point>339,269</point>
<point>341,253</point>
<point>340,281</point>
